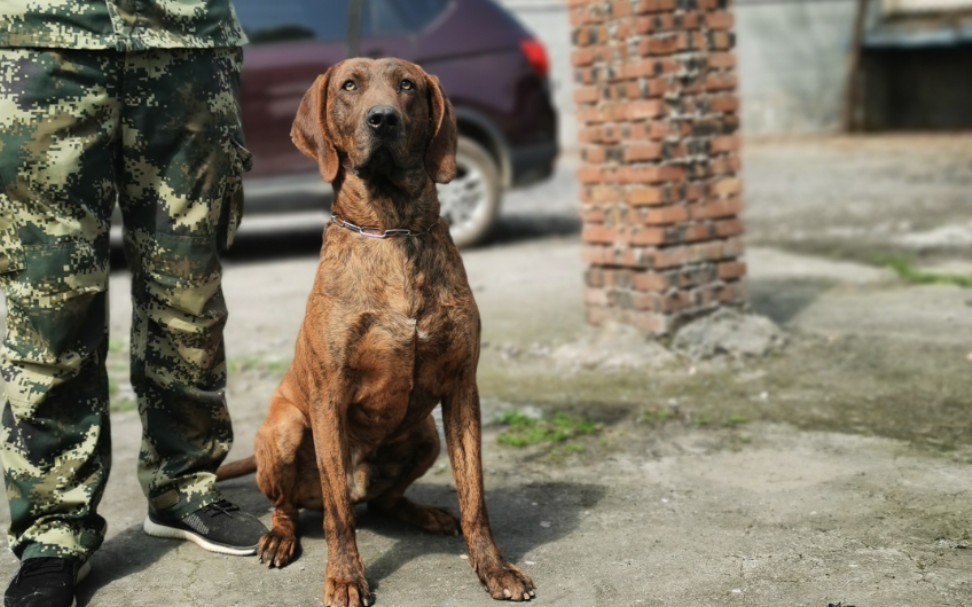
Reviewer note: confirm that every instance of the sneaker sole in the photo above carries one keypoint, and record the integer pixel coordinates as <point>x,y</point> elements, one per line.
<point>154,529</point>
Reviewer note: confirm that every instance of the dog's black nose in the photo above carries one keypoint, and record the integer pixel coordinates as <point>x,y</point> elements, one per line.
<point>383,119</point>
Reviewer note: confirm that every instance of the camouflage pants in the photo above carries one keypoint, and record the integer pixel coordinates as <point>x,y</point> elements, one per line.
<point>159,131</point>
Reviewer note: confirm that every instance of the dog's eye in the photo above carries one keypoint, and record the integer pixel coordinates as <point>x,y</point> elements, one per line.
<point>407,85</point>
<point>349,85</point>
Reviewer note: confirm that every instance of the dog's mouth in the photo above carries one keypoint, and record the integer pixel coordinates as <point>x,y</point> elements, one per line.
<point>380,160</point>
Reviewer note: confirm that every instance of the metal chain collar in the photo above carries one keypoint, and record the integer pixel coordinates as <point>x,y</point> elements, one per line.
<point>377,233</point>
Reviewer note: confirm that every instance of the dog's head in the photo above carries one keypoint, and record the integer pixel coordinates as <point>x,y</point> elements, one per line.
<point>377,118</point>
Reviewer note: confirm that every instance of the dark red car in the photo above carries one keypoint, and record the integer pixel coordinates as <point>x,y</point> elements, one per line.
<point>494,71</point>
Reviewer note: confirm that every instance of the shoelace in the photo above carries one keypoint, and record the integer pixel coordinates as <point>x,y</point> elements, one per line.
<point>221,507</point>
<point>32,567</point>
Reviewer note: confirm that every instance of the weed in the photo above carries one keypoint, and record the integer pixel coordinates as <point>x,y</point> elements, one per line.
<point>523,430</point>
<point>906,271</point>
<point>734,421</point>
<point>657,416</point>
<point>257,364</point>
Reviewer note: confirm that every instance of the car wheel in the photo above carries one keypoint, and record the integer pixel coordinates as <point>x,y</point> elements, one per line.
<point>471,201</point>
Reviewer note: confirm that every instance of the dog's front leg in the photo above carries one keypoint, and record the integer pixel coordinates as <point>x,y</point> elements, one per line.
<point>344,581</point>
<point>461,418</point>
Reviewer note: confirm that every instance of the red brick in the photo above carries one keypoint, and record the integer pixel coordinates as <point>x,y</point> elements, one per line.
<point>644,88</point>
<point>582,57</point>
<point>587,94</point>
<point>720,82</point>
<point>728,227</point>
<point>592,214</point>
<point>652,174</point>
<point>594,154</point>
<point>595,233</point>
<point>596,255</point>
<point>676,301</point>
<point>620,8</point>
<point>670,257</point>
<point>639,152</point>
<point>649,281</point>
<point>646,195</point>
<point>697,232</point>
<point>643,108</point>
<point>600,194</point>
<point>732,248</point>
<point>595,296</point>
<point>726,207</point>
<point>652,6</point>
<point>721,61</point>
<point>590,174</point>
<point>691,20</point>
<point>719,20</point>
<point>662,44</point>
<point>650,322</point>
<point>732,293</point>
<point>732,270</point>
<point>594,277</point>
<point>720,40</point>
<point>726,143</point>
<point>666,215</point>
<point>647,236</point>
<point>726,187</point>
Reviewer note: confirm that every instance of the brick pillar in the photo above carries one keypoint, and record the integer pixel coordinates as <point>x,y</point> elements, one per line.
<point>655,88</point>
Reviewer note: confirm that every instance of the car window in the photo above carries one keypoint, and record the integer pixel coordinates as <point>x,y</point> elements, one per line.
<point>383,17</point>
<point>417,14</point>
<point>269,21</point>
<point>389,17</point>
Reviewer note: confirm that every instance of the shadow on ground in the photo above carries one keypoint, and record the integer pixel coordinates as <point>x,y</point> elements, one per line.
<point>782,299</point>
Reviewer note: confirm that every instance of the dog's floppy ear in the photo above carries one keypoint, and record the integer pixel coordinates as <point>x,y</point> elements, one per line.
<point>440,156</point>
<point>309,132</point>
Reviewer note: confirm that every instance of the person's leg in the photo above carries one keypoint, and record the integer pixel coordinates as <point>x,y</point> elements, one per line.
<point>58,120</point>
<point>183,164</point>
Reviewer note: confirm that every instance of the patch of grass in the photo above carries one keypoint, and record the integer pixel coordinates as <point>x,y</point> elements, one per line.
<point>657,416</point>
<point>123,404</point>
<point>258,364</point>
<point>734,421</point>
<point>523,431</point>
<point>117,346</point>
<point>118,370</point>
<point>906,271</point>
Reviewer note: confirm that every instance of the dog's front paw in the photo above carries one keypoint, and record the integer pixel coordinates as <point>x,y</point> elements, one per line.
<point>277,549</point>
<point>346,592</point>
<point>507,582</point>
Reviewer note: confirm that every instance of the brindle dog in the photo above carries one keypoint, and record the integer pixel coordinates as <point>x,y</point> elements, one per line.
<point>391,330</point>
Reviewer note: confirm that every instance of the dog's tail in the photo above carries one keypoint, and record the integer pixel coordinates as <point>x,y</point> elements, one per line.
<point>236,469</point>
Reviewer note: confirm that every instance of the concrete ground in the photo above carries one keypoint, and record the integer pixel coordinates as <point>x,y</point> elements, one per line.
<point>831,471</point>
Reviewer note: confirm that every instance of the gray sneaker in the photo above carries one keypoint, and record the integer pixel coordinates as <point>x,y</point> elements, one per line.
<point>219,527</point>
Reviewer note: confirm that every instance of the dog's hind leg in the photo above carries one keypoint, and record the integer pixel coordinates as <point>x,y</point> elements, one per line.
<point>403,462</point>
<point>280,468</point>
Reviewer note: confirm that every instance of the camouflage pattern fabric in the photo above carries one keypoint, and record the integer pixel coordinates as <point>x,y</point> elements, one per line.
<point>123,25</point>
<point>160,132</point>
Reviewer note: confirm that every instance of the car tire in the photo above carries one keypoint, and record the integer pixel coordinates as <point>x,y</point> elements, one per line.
<point>471,201</point>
